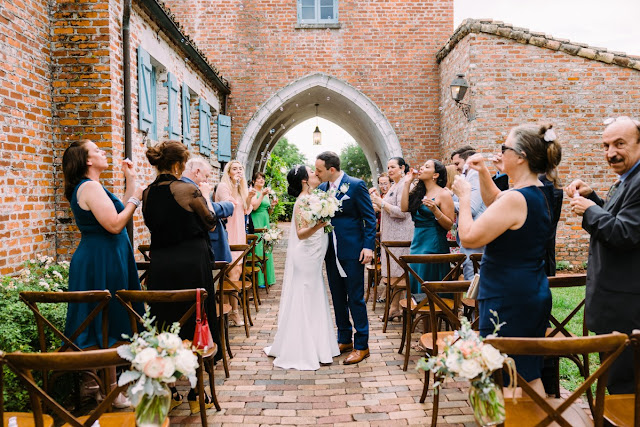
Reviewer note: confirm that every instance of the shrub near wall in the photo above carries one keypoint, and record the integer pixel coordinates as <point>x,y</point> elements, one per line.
<point>18,331</point>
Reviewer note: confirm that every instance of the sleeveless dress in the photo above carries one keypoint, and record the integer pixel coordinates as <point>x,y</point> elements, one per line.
<point>260,219</point>
<point>428,238</point>
<point>513,281</point>
<point>180,250</point>
<point>103,261</point>
<point>306,335</point>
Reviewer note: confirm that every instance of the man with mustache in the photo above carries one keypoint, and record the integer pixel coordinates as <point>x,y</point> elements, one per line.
<point>613,293</point>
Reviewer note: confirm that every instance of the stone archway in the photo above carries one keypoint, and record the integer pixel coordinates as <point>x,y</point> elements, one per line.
<point>339,102</point>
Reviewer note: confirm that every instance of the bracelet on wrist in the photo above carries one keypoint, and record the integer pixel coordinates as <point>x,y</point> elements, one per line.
<point>136,202</point>
<point>440,217</point>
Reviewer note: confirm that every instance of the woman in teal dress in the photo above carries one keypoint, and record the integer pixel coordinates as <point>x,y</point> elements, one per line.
<point>262,205</point>
<point>432,210</point>
<point>104,258</point>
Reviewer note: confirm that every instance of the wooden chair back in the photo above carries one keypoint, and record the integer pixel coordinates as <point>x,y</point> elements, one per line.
<point>476,259</point>
<point>145,250</point>
<point>128,298</point>
<point>219,269</point>
<point>22,364</point>
<point>99,298</point>
<point>624,409</point>
<point>143,271</point>
<point>609,346</point>
<point>239,293</point>
<point>438,307</point>
<point>567,281</point>
<point>395,285</point>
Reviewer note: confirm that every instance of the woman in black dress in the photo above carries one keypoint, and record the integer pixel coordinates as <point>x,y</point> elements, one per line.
<point>179,219</point>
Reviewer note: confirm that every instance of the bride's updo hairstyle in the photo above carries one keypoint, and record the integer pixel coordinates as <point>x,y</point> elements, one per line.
<point>296,175</point>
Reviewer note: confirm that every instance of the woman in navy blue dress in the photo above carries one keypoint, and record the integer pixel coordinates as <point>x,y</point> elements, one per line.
<point>516,228</point>
<point>104,258</point>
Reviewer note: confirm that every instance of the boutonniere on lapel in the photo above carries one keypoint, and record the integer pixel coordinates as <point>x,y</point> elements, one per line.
<point>343,190</point>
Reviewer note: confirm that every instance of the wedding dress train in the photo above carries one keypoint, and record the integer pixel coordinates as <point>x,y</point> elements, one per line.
<point>306,336</point>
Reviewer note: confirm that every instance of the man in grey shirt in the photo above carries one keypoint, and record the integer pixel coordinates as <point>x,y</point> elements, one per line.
<point>458,159</point>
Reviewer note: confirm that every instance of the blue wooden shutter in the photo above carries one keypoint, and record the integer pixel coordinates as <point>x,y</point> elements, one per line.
<point>154,105</point>
<point>205,128</point>
<point>174,112</point>
<point>224,138</point>
<point>146,100</point>
<point>186,114</point>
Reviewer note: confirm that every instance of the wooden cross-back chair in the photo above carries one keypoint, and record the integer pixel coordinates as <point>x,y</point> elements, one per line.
<point>237,289</point>
<point>412,313</point>
<point>394,285</point>
<point>469,305</point>
<point>534,410</point>
<point>373,271</point>
<point>559,329</point>
<point>261,260</point>
<point>145,250</point>
<point>251,268</point>
<point>205,358</point>
<point>22,364</point>
<point>143,272</point>
<point>219,269</point>
<point>433,341</point>
<point>99,298</point>
<point>623,410</point>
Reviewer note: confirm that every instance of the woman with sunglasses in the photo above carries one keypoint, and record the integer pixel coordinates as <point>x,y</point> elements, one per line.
<point>515,229</point>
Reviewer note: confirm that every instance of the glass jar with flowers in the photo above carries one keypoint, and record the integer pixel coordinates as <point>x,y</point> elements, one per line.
<point>157,359</point>
<point>466,355</point>
<point>270,237</point>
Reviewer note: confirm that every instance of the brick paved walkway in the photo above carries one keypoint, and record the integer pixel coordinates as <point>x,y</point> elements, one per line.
<point>374,392</point>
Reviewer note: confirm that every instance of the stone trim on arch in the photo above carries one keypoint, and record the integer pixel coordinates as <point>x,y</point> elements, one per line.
<point>387,146</point>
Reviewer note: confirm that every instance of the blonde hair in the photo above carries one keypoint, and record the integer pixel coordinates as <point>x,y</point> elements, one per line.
<point>241,187</point>
<point>452,171</point>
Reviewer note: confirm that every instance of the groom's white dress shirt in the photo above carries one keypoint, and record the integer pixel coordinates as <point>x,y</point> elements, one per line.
<point>334,185</point>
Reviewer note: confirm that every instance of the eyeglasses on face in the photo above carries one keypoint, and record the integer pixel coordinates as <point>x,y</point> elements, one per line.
<point>504,149</point>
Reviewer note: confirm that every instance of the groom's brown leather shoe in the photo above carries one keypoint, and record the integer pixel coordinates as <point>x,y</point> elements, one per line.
<point>345,347</point>
<point>356,356</point>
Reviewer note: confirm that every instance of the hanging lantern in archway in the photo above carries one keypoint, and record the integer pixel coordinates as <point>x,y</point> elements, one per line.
<point>317,135</point>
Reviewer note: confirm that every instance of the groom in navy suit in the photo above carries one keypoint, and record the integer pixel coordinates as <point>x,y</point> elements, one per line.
<point>350,249</point>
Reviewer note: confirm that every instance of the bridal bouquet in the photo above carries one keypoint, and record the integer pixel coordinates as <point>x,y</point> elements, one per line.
<point>270,237</point>
<point>319,206</point>
<point>465,355</point>
<point>156,360</point>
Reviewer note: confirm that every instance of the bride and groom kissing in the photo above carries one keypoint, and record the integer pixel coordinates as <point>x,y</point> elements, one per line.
<point>306,337</point>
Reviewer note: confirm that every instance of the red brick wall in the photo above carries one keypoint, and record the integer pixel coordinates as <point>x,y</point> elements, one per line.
<point>26,163</point>
<point>384,49</point>
<point>514,83</point>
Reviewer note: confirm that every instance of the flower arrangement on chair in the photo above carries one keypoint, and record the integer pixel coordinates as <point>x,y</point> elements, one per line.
<point>270,237</point>
<point>465,355</point>
<point>157,359</point>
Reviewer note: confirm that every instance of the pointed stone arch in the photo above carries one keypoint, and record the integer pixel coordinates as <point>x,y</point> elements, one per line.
<point>339,102</point>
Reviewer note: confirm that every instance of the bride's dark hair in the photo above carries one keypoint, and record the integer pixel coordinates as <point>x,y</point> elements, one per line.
<point>296,175</point>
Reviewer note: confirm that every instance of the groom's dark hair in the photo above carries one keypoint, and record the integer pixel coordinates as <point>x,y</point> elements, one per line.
<point>330,159</point>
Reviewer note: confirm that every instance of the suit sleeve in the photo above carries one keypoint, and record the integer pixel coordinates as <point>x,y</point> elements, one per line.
<point>368,215</point>
<point>619,231</point>
<point>223,209</point>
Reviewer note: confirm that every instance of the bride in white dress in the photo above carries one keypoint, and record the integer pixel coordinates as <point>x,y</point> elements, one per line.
<point>306,336</point>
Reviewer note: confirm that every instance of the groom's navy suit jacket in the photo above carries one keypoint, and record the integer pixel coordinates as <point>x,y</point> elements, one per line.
<point>355,224</point>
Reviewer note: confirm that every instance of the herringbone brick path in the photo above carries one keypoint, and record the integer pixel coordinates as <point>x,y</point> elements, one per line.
<point>374,392</point>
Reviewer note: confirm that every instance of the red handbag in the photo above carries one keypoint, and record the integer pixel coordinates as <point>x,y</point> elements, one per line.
<point>202,340</point>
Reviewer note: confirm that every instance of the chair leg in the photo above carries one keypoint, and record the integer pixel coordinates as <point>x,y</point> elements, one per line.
<point>264,274</point>
<point>375,291</point>
<point>425,388</point>
<point>244,316</point>
<point>212,387</point>
<point>436,402</point>
<point>404,331</point>
<point>256,296</point>
<point>407,343</point>
<point>201,401</point>
<point>226,336</point>
<point>223,342</point>
<point>387,307</point>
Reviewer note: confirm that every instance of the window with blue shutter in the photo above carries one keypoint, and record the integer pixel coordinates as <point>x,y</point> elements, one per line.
<point>173,111</point>
<point>154,105</point>
<point>317,11</point>
<point>146,97</point>
<point>186,114</point>
<point>205,127</point>
<point>224,138</point>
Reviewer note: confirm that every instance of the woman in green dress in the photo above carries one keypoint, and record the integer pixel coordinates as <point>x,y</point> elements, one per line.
<point>263,203</point>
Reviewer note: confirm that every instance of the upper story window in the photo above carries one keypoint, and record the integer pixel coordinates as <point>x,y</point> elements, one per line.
<point>317,11</point>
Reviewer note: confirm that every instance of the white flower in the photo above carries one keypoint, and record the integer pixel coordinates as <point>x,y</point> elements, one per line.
<point>44,284</point>
<point>492,357</point>
<point>470,368</point>
<point>144,357</point>
<point>186,362</point>
<point>57,274</point>
<point>170,342</point>
<point>344,188</point>
<point>154,367</point>
<point>453,362</point>
<point>169,368</point>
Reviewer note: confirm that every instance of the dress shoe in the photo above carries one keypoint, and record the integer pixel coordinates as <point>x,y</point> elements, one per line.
<point>345,347</point>
<point>356,356</point>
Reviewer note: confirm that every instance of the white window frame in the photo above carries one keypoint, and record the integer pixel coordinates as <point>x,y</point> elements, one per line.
<point>317,20</point>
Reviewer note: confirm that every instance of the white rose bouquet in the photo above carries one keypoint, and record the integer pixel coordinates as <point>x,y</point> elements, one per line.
<point>465,355</point>
<point>156,359</point>
<point>319,206</point>
<point>270,237</point>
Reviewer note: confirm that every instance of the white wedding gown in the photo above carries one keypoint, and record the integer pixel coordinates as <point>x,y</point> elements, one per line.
<point>306,336</point>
